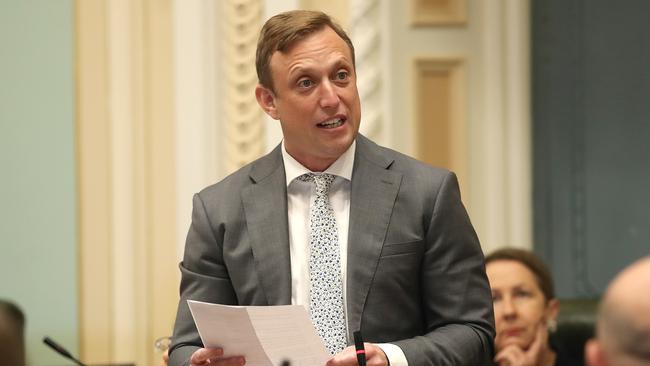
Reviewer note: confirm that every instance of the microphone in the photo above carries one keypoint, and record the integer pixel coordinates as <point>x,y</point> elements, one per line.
<point>60,350</point>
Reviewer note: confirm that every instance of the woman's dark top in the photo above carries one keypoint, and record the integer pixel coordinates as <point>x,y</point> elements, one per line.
<point>565,358</point>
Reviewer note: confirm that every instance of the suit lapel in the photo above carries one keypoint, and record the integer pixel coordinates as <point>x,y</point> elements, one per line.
<point>373,193</point>
<point>265,208</point>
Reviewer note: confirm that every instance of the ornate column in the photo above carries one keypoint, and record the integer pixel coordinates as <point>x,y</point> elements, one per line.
<point>244,122</point>
<point>366,35</point>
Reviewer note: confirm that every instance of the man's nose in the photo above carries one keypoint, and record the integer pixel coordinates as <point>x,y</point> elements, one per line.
<point>329,97</point>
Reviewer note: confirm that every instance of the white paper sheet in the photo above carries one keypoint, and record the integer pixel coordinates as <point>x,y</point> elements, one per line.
<point>265,335</point>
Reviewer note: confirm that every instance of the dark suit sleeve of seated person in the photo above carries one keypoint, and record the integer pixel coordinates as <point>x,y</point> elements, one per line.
<point>429,293</point>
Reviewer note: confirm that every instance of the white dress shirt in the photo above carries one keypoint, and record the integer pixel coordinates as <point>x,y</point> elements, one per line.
<point>300,195</point>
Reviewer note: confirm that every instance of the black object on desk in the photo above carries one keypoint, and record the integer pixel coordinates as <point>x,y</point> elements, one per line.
<point>60,350</point>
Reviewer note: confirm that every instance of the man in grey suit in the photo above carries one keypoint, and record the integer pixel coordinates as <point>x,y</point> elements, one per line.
<point>410,263</point>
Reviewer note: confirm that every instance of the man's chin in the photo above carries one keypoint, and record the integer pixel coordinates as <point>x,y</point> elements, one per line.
<point>339,146</point>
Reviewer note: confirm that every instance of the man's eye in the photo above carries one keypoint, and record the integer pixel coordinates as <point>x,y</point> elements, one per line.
<point>305,83</point>
<point>341,75</point>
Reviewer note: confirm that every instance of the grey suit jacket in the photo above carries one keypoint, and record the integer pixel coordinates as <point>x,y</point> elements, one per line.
<point>415,271</point>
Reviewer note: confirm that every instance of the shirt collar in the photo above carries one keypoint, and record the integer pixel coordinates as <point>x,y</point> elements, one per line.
<point>342,167</point>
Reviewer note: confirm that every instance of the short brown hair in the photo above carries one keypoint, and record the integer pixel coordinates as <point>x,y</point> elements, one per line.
<point>530,261</point>
<point>10,312</point>
<point>283,30</point>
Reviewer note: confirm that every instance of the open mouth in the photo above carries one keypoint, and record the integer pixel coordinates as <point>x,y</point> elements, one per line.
<point>332,123</point>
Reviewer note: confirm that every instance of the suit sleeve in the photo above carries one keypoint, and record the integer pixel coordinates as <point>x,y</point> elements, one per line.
<point>204,277</point>
<point>456,298</point>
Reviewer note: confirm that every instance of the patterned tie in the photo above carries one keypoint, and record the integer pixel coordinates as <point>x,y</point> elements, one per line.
<point>326,292</point>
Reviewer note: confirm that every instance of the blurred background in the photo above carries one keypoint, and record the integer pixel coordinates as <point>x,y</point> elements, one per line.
<point>114,112</point>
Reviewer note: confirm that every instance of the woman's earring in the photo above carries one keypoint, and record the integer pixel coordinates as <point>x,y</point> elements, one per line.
<point>551,325</point>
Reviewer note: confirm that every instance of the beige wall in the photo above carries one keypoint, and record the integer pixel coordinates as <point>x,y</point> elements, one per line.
<point>339,9</point>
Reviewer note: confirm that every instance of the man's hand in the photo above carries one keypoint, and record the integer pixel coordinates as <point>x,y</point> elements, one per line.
<point>213,357</point>
<point>348,357</point>
<point>513,355</point>
<point>165,358</point>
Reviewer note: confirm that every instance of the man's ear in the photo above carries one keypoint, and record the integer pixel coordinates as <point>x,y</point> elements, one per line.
<point>594,355</point>
<point>266,100</point>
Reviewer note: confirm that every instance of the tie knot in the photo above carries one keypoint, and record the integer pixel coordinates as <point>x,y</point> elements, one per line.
<point>322,181</point>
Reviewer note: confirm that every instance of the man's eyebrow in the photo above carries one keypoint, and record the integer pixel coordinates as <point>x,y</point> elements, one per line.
<point>299,69</point>
<point>306,69</point>
<point>343,62</point>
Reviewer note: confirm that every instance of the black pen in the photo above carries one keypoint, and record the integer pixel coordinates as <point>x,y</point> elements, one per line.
<point>361,351</point>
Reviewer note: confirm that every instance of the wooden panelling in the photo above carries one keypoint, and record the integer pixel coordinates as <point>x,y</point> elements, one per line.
<point>438,12</point>
<point>440,114</point>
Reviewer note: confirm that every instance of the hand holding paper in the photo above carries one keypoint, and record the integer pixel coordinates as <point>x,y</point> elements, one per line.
<point>264,335</point>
